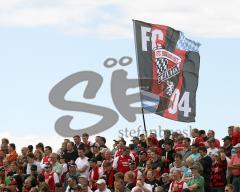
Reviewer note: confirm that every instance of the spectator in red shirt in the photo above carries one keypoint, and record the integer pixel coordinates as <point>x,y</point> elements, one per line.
<point>211,134</point>
<point>2,156</point>
<point>218,172</point>
<point>12,156</point>
<point>235,168</point>
<point>179,146</point>
<point>121,163</point>
<point>197,139</point>
<point>109,175</point>
<point>236,136</point>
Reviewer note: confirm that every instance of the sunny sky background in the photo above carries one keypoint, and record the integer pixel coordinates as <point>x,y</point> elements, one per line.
<point>42,42</point>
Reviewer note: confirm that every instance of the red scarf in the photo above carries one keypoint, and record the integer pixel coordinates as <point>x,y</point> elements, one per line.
<point>94,174</point>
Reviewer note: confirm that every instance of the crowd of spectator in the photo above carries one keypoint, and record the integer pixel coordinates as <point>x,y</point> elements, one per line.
<point>174,163</point>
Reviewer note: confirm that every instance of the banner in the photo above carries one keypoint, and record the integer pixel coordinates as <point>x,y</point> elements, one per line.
<point>168,68</point>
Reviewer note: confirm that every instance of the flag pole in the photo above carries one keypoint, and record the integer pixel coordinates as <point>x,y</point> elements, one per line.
<point>143,116</point>
<point>144,125</point>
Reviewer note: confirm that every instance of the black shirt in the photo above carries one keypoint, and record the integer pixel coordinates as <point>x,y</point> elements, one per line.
<point>72,156</point>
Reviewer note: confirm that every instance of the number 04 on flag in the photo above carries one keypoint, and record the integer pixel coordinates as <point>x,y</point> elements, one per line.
<point>168,68</point>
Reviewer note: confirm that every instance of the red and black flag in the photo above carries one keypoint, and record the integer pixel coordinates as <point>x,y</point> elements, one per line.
<point>168,67</point>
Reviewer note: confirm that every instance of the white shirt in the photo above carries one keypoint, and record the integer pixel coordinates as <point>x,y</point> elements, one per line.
<point>106,190</point>
<point>147,186</point>
<point>28,171</point>
<point>82,162</point>
<point>210,151</point>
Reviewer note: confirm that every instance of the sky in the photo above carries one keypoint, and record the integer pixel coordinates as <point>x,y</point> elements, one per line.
<point>43,42</point>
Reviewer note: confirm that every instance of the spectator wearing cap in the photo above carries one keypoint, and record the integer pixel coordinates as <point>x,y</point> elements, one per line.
<point>51,178</point>
<point>196,183</point>
<point>72,184</point>
<point>211,134</point>
<point>70,154</point>
<point>206,163</point>
<point>211,149</point>
<point>227,145</point>
<point>197,138</point>
<point>177,184</point>
<point>234,167</point>
<point>151,180</point>
<point>120,163</point>
<point>72,172</point>
<point>82,162</point>
<point>12,156</point>
<point>166,137</point>
<point>34,172</point>
<point>101,186</point>
<point>94,174</point>
<point>186,152</point>
<point>218,172</point>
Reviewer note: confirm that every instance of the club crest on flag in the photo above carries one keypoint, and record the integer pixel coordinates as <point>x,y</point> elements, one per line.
<point>168,66</point>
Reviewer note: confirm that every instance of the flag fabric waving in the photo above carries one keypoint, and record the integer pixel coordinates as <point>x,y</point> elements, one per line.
<point>168,68</point>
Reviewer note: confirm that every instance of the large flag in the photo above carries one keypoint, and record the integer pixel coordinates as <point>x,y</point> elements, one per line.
<point>168,67</point>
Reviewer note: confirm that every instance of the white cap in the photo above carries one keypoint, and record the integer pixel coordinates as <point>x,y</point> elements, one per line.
<point>101,181</point>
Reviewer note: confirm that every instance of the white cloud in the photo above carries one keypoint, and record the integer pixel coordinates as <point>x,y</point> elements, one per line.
<point>113,19</point>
